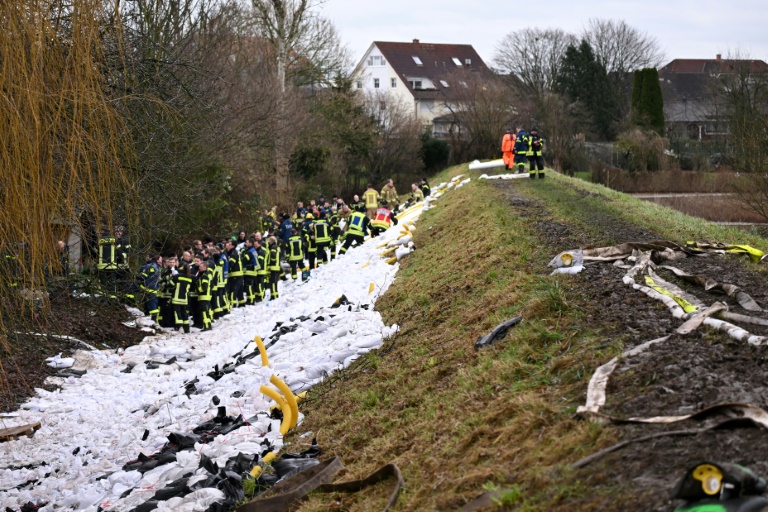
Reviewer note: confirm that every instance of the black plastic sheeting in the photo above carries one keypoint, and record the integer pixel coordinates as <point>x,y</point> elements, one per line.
<point>230,478</point>
<point>498,333</point>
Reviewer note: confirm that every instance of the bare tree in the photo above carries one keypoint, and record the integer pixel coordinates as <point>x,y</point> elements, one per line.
<point>481,110</point>
<point>533,55</point>
<point>297,34</point>
<point>395,151</point>
<point>620,47</point>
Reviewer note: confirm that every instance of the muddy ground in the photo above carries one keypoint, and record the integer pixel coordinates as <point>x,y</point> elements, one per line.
<point>678,377</point>
<point>95,322</point>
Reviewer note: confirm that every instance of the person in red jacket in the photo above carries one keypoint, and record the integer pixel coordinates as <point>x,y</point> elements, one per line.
<point>382,220</point>
<point>508,148</point>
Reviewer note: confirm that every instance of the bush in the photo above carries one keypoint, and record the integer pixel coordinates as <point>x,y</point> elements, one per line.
<point>641,150</point>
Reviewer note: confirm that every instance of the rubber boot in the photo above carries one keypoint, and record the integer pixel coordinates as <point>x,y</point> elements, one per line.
<point>541,175</point>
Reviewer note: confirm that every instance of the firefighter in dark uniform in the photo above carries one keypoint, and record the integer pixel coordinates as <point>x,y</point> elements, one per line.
<point>202,314</point>
<point>310,240</point>
<point>274,267</point>
<point>165,292</point>
<point>262,274</point>
<point>112,266</point>
<point>250,266</point>
<point>235,279</point>
<point>333,223</point>
<point>322,238</point>
<point>534,153</point>
<point>295,253</point>
<point>355,230</point>
<point>180,300</point>
<point>149,283</point>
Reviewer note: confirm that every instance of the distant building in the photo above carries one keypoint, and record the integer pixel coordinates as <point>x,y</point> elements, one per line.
<point>689,87</point>
<point>417,75</point>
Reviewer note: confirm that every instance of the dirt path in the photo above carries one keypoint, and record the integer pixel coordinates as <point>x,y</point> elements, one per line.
<point>676,378</point>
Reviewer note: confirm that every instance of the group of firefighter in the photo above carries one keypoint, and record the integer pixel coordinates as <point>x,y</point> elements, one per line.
<point>519,147</point>
<point>212,277</point>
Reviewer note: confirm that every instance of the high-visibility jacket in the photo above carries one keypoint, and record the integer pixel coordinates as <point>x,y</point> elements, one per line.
<point>222,280</point>
<point>508,143</point>
<point>166,284</point>
<point>149,278</point>
<point>535,145</point>
<point>295,252</point>
<point>371,198</point>
<point>274,257</point>
<point>322,233</point>
<point>262,257</point>
<point>181,292</point>
<point>113,253</point>
<point>417,195</point>
<point>425,190</point>
<point>382,219</point>
<point>235,266</point>
<point>389,194</point>
<point>358,224</point>
<point>249,261</point>
<point>203,286</point>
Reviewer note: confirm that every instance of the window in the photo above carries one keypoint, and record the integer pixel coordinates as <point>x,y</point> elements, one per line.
<point>376,60</point>
<point>393,81</point>
<point>375,83</point>
<point>468,62</point>
<point>456,61</point>
<point>382,105</point>
<point>444,83</point>
<point>417,60</point>
<point>416,84</point>
<point>359,84</point>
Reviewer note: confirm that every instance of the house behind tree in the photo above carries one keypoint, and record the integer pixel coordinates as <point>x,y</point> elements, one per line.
<point>419,76</point>
<point>692,109</point>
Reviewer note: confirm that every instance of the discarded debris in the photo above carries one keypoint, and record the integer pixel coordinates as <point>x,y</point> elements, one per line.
<point>13,433</point>
<point>498,333</point>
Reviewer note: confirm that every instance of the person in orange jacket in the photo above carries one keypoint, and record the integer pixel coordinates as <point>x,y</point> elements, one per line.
<point>508,148</point>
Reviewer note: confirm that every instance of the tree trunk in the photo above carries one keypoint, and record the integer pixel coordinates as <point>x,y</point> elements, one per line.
<point>282,184</point>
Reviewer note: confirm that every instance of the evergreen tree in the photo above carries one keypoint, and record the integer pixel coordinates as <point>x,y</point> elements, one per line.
<point>647,101</point>
<point>584,80</point>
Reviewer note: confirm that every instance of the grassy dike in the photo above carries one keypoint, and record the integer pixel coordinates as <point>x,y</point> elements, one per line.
<point>458,421</point>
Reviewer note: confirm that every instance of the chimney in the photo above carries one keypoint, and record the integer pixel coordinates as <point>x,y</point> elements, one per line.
<point>718,57</point>
<point>415,41</point>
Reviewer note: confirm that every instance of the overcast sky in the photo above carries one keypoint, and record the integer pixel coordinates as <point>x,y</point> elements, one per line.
<point>684,28</point>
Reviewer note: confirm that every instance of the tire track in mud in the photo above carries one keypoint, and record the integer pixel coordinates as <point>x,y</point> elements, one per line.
<point>678,377</point>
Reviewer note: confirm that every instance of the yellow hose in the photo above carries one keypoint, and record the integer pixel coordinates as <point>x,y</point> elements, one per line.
<point>262,351</point>
<point>289,397</point>
<point>371,287</point>
<point>256,471</point>
<point>268,458</point>
<point>366,264</point>
<point>389,251</point>
<point>287,422</point>
<point>392,260</point>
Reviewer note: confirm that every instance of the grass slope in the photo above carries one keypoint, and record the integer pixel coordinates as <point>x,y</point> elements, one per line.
<point>456,420</point>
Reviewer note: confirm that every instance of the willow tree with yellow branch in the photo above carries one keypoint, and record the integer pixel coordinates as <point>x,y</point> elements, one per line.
<point>63,146</point>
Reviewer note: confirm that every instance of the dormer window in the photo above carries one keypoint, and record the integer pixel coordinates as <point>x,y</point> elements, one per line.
<point>416,84</point>
<point>444,83</point>
<point>456,61</point>
<point>376,61</point>
<point>417,60</point>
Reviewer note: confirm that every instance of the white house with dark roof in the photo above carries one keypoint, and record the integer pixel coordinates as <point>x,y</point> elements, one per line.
<point>417,75</point>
